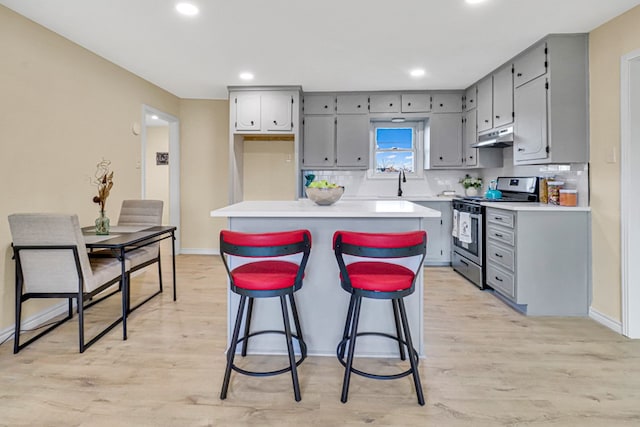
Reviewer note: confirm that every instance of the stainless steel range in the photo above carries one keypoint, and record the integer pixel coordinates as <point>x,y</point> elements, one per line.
<point>468,216</point>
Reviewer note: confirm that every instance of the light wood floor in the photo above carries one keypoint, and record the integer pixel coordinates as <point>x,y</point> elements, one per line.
<point>486,365</point>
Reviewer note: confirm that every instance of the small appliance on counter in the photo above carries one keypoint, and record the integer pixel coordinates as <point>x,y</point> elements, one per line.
<point>493,193</point>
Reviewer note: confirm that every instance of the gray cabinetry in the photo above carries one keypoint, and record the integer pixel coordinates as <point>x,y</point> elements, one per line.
<point>319,141</point>
<point>503,96</point>
<point>438,233</point>
<point>470,98</point>
<point>352,104</point>
<point>470,137</point>
<point>269,112</point>
<point>538,260</point>
<point>446,103</point>
<point>445,140</point>
<point>551,108</point>
<point>352,141</point>
<point>385,103</point>
<point>485,104</point>
<point>416,103</point>
<point>319,104</point>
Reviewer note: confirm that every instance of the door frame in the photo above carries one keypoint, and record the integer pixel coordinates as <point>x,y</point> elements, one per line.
<point>174,166</point>
<point>629,203</point>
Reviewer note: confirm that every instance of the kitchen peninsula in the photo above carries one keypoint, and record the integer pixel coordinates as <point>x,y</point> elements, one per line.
<point>322,304</point>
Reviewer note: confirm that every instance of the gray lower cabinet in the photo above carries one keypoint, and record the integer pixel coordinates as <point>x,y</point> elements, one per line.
<point>438,233</point>
<point>538,260</point>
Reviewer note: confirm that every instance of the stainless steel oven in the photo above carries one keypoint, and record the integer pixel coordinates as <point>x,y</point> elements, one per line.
<point>468,256</point>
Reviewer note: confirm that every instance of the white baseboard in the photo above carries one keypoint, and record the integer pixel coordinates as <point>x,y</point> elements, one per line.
<point>199,251</point>
<point>37,319</point>
<point>605,320</point>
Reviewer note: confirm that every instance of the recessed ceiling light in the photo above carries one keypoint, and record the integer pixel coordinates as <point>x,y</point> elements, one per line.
<point>154,117</point>
<point>246,76</point>
<point>475,1</point>
<point>418,72</point>
<point>187,9</point>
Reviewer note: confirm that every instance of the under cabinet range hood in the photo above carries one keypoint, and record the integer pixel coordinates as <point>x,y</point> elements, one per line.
<point>496,139</point>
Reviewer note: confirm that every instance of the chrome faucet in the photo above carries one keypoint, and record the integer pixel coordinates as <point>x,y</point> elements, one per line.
<point>401,178</point>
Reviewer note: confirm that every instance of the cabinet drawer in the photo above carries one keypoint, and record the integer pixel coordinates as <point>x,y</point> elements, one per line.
<point>352,104</point>
<point>504,218</point>
<point>447,103</point>
<point>501,234</point>
<point>387,103</point>
<point>416,103</point>
<point>501,281</point>
<point>319,104</point>
<point>501,255</point>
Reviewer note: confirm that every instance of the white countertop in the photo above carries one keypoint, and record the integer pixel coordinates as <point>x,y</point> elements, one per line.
<point>515,206</point>
<point>344,208</point>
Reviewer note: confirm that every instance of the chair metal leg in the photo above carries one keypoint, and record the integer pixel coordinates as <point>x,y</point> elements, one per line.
<point>347,325</point>
<point>232,348</point>
<point>247,326</point>
<point>16,333</point>
<point>292,358</point>
<point>394,302</point>
<point>159,271</point>
<point>80,300</point>
<point>352,348</point>
<point>412,355</point>
<point>296,319</point>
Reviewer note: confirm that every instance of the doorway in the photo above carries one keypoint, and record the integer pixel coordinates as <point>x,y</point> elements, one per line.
<point>160,164</point>
<point>629,202</point>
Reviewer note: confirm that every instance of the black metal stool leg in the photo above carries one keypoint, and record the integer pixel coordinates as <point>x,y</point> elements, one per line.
<point>412,355</point>
<point>394,302</point>
<point>296,319</point>
<point>292,358</point>
<point>247,326</point>
<point>347,325</point>
<point>232,348</point>
<point>352,347</point>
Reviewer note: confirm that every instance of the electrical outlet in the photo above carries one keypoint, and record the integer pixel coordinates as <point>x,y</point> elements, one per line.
<point>612,156</point>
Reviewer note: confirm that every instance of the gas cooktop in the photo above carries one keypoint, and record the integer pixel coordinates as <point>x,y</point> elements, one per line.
<point>513,189</point>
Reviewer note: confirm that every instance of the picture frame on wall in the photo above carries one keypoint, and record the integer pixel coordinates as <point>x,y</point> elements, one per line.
<point>162,158</point>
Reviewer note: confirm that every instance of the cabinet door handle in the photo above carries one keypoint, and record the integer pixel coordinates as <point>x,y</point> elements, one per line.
<point>519,74</point>
<point>440,157</point>
<point>497,117</point>
<point>497,218</point>
<point>442,105</point>
<point>359,158</point>
<point>520,149</point>
<point>409,104</point>
<point>359,106</point>
<point>471,157</point>
<point>498,279</point>
<point>326,159</point>
<point>462,262</point>
<point>391,104</point>
<point>486,121</point>
<point>498,255</point>
<point>498,235</point>
<point>326,106</point>
<point>251,122</point>
<point>275,122</point>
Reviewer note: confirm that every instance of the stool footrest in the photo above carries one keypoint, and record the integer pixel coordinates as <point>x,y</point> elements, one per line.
<point>303,355</point>
<point>341,351</point>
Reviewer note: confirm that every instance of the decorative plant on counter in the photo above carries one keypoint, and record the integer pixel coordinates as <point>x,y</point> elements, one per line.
<point>104,181</point>
<point>470,182</point>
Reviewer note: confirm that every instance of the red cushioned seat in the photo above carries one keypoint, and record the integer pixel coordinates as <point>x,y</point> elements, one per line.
<point>265,275</point>
<point>379,276</point>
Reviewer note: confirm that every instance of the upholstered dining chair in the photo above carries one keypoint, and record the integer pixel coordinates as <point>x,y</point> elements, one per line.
<point>143,213</point>
<point>52,262</point>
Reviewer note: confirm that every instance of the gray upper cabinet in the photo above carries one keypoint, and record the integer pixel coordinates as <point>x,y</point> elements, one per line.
<point>503,96</point>
<point>416,103</point>
<point>477,157</point>
<point>530,65</point>
<point>352,141</point>
<point>551,110</point>
<point>263,112</point>
<point>485,104</point>
<point>319,141</point>
<point>445,140</point>
<point>319,104</point>
<point>385,103</point>
<point>470,98</point>
<point>446,103</point>
<point>352,104</point>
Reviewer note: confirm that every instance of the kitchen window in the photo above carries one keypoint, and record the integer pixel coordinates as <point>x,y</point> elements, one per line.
<point>396,147</point>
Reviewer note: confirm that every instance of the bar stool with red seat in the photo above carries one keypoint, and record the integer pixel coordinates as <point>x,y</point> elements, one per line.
<point>368,270</point>
<point>267,269</point>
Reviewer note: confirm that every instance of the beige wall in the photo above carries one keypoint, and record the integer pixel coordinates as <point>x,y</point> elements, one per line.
<point>607,44</point>
<point>157,176</point>
<point>204,150</point>
<point>62,109</point>
<point>268,170</point>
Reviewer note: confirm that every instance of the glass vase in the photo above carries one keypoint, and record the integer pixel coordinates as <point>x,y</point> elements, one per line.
<point>102,224</point>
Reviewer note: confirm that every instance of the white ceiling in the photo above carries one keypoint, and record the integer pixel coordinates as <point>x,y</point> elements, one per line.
<point>321,45</point>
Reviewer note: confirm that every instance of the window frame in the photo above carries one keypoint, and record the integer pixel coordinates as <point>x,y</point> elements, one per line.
<point>418,127</point>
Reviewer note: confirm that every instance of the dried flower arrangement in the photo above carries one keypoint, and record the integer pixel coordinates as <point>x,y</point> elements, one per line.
<point>104,181</point>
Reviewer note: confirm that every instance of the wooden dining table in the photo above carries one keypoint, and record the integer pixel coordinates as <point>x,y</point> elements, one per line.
<point>123,239</point>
